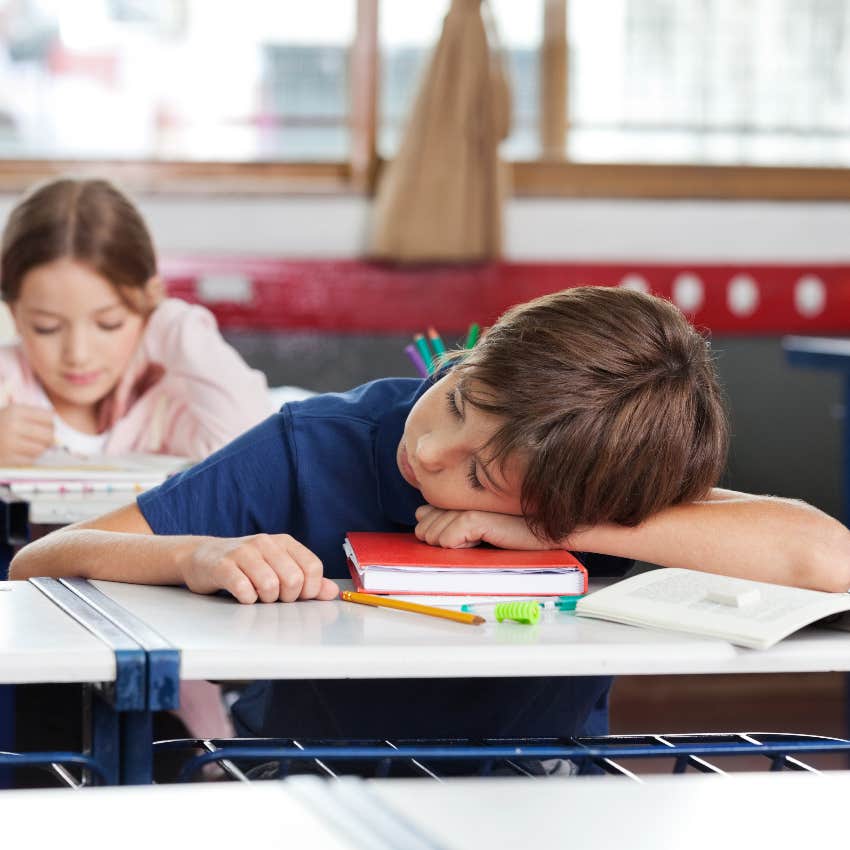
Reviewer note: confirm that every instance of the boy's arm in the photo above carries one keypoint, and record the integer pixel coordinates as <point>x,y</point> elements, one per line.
<point>764,538</point>
<point>120,546</point>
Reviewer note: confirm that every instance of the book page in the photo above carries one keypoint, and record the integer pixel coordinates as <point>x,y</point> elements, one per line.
<point>749,613</point>
<point>63,469</point>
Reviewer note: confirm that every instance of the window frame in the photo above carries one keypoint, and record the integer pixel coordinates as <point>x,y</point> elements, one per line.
<point>552,175</point>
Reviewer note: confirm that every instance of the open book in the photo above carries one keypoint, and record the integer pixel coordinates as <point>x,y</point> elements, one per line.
<point>59,471</point>
<point>748,613</point>
<point>401,563</point>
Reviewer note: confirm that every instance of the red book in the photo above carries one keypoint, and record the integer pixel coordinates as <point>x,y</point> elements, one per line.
<point>382,562</point>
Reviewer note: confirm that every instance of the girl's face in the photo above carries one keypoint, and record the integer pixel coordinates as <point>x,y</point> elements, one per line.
<point>441,454</point>
<point>77,333</point>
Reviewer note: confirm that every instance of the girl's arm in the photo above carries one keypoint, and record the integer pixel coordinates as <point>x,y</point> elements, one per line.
<point>784,541</point>
<point>120,546</point>
<point>224,395</point>
<point>220,395</point>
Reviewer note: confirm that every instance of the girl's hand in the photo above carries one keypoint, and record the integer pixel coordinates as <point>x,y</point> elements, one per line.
<point>25,432</point>
<point>462,529</point>
<point>264,567</point>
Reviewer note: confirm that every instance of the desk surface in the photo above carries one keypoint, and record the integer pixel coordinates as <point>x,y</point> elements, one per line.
<point>698,812</point>
<point>787,810</point>
<point>220,639</point>
<point>40,643</point>
<point>213,817</point>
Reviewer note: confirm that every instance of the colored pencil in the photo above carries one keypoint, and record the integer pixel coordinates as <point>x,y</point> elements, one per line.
<point>472,336</point>
<point>416,358</point>
<point>437,343</point>
<point>422,345</point>
<point>413,607</point>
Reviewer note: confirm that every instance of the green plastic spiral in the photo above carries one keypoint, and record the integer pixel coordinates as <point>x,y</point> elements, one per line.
<point>521,612</point>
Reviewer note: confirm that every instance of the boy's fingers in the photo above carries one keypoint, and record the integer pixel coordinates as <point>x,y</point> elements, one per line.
<point>235,582</point>
<point>438,528</point>
<point>427,521</point>
<point>260,573</point>
<point>327,590</point>
<point>425,511</point>
<point>308,564</point>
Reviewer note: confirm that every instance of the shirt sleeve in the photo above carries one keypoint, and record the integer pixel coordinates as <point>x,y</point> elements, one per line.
<point>247,487</point>
<point>221,395</point>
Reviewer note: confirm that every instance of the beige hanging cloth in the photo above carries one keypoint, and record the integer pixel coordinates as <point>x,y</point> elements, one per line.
<point>440,198</point>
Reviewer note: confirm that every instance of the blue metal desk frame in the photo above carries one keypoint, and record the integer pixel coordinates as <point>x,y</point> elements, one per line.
<point>147,667</point>
<point>119,714</point>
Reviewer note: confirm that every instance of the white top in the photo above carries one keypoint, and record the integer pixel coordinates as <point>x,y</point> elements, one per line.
<point>40,643</point>
<point>221,639</point>
<point>225,816</point>
<point>700,812</point>
<point>76,441</point>
<point>697,812</point>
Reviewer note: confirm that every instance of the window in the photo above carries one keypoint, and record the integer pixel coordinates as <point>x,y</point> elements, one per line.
<point>249,94</point>
<point>764,82</point>
<point>175,80</point>
<point>408,32</point>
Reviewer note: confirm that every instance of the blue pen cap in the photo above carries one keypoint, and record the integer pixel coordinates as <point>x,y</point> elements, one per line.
<point>567,603</point>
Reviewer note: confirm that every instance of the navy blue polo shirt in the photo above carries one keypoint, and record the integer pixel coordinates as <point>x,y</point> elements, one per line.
<point>316,470</point>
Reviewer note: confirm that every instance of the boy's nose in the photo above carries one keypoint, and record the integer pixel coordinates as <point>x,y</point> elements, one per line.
<point>433,452</point>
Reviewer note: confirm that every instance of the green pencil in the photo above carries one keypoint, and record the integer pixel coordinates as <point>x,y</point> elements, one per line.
<point>437,343</point>
<point>422,345</point>
<point>472,336</point>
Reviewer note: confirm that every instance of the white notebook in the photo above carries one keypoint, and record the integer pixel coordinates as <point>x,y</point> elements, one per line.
<point>748,613</point>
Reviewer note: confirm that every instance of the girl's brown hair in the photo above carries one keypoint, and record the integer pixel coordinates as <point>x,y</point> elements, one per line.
<point>89,221</point>
<point>612,399</point>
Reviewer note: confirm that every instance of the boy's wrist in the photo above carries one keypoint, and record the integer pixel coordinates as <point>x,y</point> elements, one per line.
<point>181,557</point>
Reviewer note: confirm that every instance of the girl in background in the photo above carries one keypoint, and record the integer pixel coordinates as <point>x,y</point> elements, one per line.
<point>105,363</point>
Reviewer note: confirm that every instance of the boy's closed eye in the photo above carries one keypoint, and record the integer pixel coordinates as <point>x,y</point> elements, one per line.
<point>472,472</point>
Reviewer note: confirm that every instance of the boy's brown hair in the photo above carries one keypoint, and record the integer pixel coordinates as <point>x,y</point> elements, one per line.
<point>612,399</point>
<point>89,221</point>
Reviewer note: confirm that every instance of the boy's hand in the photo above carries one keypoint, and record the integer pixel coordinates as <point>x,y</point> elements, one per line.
<point>25,432</point>
<point>264,567</point>
<point>462,529</point>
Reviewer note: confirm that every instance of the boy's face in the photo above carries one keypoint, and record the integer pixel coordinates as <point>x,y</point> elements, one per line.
<point>441,454</point>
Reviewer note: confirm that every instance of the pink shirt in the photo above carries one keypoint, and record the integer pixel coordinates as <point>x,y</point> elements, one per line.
<point>186,391</point>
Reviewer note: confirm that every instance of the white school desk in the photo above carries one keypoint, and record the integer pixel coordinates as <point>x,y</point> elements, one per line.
<point>749,811</point>
<point>593,813</point>
<point>221,639</point>
<point>40,643</point>
<point>48,634</point>
<point>225,816</point>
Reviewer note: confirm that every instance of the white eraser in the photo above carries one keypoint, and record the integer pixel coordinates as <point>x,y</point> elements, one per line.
<point>734,598</point>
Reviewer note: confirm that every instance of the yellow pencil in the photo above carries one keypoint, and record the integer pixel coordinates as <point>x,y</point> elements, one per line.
<point>416,608</point>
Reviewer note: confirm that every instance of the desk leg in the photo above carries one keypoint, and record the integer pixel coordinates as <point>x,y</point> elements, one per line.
<point>103,731</point>
<point>7,731</point>
<point>121,741</point>
<point>137,748</point>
